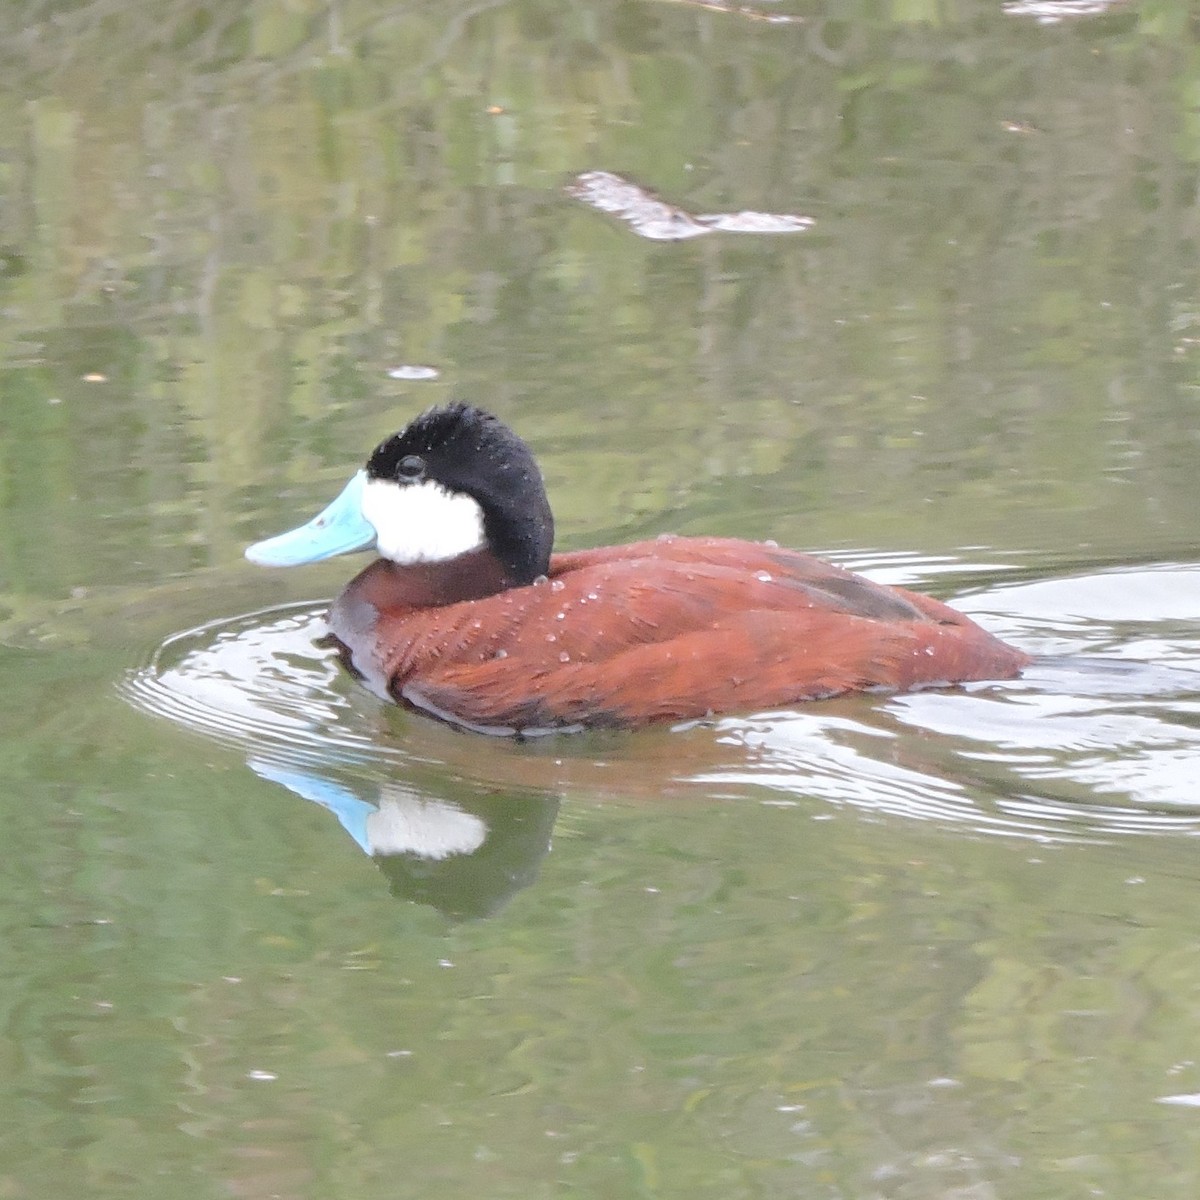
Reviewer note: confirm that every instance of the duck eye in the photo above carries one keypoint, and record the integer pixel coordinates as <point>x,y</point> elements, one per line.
<point>410,468</point>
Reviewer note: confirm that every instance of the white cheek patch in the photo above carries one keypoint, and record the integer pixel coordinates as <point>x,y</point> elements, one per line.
<point>422,522</point>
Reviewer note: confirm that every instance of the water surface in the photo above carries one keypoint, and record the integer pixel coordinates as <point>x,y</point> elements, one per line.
<point>266,936</point>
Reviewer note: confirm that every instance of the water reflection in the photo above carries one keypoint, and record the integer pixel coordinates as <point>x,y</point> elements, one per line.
<point>1090,743</point>
<point>467,857</point>
<point>262,683</point>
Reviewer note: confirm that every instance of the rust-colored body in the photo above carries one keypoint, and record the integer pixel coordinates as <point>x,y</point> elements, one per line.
<point>669,629</point>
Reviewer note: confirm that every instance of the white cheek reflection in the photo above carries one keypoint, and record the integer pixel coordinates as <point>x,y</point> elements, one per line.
<point>422,522</point>
<point>429,829</point>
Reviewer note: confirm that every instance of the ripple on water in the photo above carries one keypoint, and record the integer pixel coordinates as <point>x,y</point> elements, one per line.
<point>1100,737</point>
<point>1089,745</point>
<point>260,682</point>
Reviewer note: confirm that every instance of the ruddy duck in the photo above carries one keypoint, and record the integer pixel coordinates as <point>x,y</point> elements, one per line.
<point>468,616</point>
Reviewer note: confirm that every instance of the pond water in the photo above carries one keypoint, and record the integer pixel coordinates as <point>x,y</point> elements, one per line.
<point>913,285</point>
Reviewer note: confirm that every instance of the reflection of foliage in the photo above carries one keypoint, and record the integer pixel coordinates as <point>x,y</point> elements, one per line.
<point>283,199</point>
<point>669,1003</point>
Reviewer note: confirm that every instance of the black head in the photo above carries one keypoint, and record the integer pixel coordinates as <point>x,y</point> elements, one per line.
<point>465,450</point>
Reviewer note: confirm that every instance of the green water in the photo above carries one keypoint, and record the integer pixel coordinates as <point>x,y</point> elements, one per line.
<point>911,947</point>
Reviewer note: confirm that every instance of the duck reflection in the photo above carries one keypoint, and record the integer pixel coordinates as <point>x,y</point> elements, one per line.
<point>466,857</point>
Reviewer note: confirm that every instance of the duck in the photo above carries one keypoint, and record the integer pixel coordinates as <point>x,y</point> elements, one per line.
<point>468,615</point>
